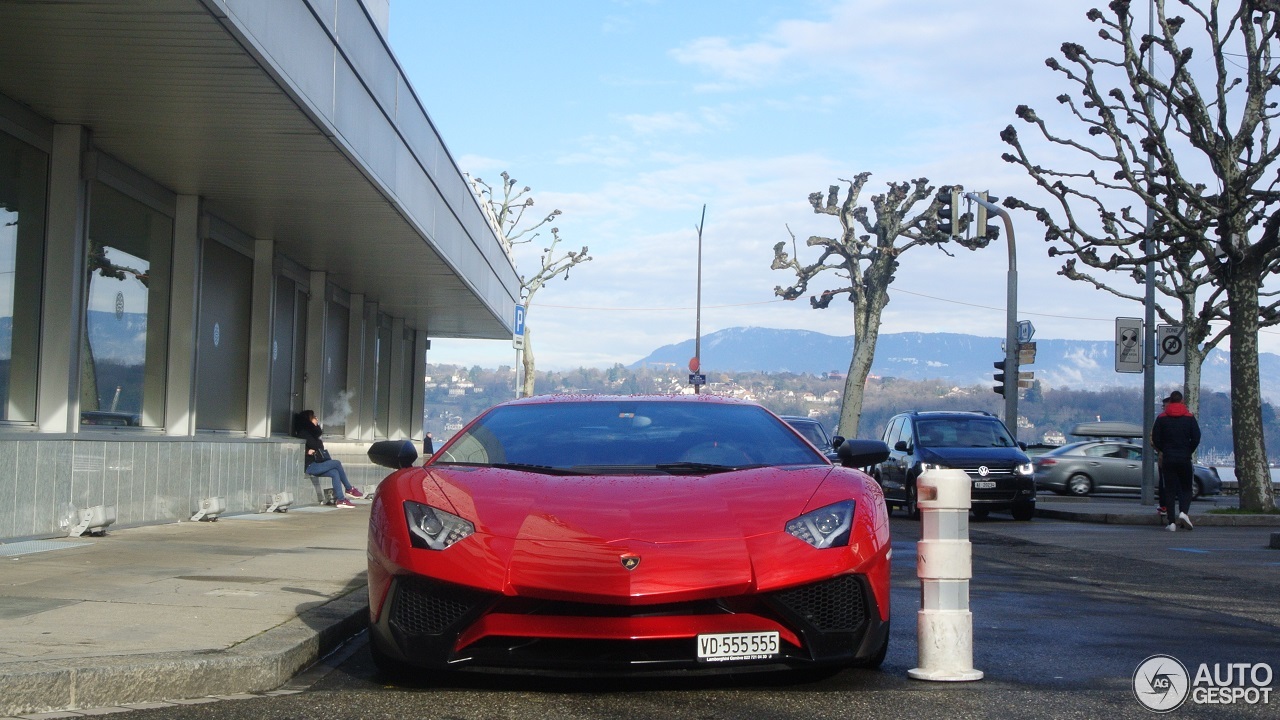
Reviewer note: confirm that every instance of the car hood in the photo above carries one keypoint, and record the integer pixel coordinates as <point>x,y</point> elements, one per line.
<point>609,508</point>
<point>961,456</point>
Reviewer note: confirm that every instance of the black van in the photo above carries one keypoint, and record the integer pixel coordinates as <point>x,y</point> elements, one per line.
<point>976,442</point>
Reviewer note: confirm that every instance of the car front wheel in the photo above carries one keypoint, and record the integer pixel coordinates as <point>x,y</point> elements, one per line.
<point>1023,511</point>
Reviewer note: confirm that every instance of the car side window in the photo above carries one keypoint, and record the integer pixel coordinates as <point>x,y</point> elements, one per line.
<point>892,431</point>
<point>1101,451</point>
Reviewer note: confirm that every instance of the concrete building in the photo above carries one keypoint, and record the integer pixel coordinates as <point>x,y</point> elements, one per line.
<point>214,214</point>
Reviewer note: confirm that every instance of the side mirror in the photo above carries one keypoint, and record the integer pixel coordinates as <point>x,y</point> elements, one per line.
<point>861,453</point>
<point>900,446</point>
<point>394,454</point>
<point>837,441</point>
<point>1022,445</point>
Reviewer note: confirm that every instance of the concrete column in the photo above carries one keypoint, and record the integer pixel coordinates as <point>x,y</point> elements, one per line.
<point>313,378</point>
<point>258,424</point>
<point>184,301</point>
<point>58,394</point>
<point>369,381</point>
<point>397,408</point>
<point>357,368</point>
<point>417,393</point>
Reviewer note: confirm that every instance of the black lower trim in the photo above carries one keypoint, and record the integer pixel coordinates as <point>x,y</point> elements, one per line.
<point>837,620</point>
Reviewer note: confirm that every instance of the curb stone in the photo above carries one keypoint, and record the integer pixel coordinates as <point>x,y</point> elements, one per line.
<point>261,663</point>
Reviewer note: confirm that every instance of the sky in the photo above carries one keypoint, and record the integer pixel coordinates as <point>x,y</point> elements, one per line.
<point>630,115</point>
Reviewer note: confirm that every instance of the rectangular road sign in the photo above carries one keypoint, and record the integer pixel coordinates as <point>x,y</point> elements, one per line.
<point>517,336</point>
<point>1171,345</point>
<point>1027,353</point>
<point>1128,345</point>
<point>697,379</point>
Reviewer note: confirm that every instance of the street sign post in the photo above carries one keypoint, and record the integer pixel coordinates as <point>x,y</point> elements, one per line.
<point>1128,345</point>
<point>1171,345</point>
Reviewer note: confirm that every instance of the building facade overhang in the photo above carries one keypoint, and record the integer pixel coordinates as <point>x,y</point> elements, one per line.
<point>291,121</point>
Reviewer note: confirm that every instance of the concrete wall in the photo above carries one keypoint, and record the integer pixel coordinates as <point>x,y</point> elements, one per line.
<point>154,479</point>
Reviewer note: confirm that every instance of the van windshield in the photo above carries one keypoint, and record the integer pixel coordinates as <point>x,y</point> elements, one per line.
<point>963,433</point>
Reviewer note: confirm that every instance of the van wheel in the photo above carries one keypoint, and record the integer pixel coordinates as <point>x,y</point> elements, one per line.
<point>913,510</point>
<point>981,514</point>
<point>1023,511</point>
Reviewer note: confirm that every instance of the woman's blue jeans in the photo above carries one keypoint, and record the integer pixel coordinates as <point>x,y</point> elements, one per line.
<point>333,470</point>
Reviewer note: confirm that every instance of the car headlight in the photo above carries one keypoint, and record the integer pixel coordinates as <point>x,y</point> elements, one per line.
<point>1024,469</point>
<point>432,528</point>
<point>825,527</point>
<point>926,467</point>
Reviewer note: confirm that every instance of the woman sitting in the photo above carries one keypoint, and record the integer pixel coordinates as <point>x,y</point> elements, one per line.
<point>320,464</point>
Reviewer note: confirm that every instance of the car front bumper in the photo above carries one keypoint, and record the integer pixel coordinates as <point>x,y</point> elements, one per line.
<point>432,625</point>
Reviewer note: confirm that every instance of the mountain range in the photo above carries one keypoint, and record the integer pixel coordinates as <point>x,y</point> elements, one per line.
<point>960,359</point>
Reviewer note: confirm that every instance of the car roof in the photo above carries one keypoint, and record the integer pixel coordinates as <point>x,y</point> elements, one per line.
<point>1066,449</point>
<point>950,413</point>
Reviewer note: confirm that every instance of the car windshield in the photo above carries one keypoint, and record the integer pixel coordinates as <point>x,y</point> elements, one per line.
<point>963,433</point>
<point>812,432</point>
<point>627,437</point>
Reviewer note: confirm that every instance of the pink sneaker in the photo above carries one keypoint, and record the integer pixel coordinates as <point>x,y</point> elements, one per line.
<point>344,504</point>
<point>355,493</point>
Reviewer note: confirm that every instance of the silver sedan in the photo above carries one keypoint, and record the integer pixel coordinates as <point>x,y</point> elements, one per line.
<point>1106,466</point>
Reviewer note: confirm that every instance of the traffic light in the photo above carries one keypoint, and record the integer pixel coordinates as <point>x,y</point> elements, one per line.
<point>949,212</point>
<point>999,375</point>
<point>984,230</point>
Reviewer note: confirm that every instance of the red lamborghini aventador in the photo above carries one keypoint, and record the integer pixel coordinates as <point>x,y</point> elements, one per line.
<point>628,534</point>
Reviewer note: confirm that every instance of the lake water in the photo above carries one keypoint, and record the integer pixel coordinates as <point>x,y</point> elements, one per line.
<point>1228,474</point>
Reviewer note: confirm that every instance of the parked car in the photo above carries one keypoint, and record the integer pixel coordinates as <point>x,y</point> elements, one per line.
<point>611,535</point>
<point>1107,466</point>
<point>813,431</point>
<point>975,442</point>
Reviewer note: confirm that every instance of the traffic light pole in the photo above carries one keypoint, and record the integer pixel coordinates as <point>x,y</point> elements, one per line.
<point>1011,319</point>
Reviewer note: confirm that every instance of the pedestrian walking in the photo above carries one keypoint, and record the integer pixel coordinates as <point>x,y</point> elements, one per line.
<point>1175,435</point>
<point>320,464</point>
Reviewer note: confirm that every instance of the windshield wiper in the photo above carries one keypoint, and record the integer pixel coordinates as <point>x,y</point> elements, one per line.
<point>694,468</point>
<point>525,467</point>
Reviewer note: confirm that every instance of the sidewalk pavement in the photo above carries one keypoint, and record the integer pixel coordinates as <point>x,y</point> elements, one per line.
<point>1128,510</point>
<point>186,610</point>
<point>198,609</point>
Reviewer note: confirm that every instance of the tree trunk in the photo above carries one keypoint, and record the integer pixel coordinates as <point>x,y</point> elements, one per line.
<point>1191,377</point>
<point>1252,471</point>
<point>855,383</point>
<point>527,366</point>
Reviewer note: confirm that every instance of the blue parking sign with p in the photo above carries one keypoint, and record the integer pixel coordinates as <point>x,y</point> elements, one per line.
<point>517,336</point>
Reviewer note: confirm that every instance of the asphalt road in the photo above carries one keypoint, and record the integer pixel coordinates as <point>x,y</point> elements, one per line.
<point>1063,615</point>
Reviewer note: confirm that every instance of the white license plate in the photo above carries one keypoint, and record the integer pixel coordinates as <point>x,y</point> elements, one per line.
<point>984,484</point>
<point>729,647</point>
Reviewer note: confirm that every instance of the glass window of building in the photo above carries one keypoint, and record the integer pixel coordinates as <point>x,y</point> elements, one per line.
<point>24,182</point>
<point>222,355</point>
<point>124,344</point>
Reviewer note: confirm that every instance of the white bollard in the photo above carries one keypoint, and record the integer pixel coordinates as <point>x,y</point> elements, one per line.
<point>944,564</point>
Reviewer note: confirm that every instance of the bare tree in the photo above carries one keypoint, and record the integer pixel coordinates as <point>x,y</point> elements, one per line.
<point>505,210</point>
<point>865,255</point>
<point>1210,187</point>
